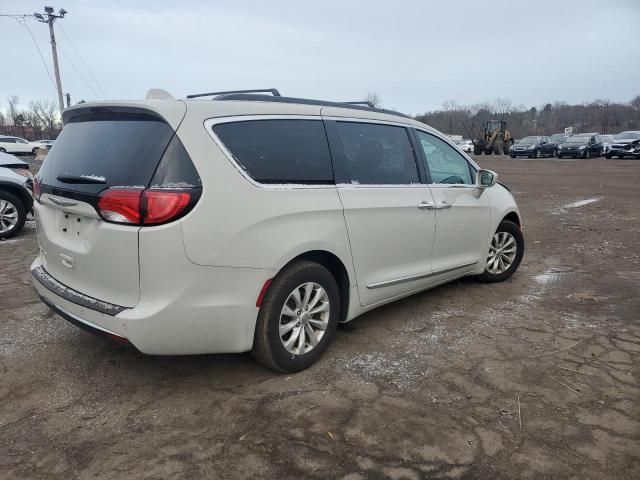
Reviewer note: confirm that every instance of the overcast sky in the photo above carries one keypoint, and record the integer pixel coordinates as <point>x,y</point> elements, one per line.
<point>414,54</point>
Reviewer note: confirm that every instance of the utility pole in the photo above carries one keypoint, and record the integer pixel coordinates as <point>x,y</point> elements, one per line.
<point>50,17</point>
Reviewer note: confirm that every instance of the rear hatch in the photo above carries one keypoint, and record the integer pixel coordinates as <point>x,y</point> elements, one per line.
<point>101,150</point>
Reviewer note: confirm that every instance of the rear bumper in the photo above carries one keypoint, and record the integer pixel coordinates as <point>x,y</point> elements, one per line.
<point>206,310</point>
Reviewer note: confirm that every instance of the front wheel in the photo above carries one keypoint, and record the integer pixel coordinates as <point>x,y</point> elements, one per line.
<point>298,318</point>
<point>505,253</point>
<point>587,154</point>
<point>13,214</point>
<point>3,150</point>
<point>34,151</point>
<point>538,154</point>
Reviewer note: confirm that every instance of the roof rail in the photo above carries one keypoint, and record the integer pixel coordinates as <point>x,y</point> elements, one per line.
<point>305,101</point>
<point>272,91</point>
<point>366,103</point>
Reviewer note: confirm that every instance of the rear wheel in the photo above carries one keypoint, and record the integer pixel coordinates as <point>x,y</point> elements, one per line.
<point>35,151</point>
<point>587,154</point>
<point>3,150</point>
<point>298,318</point>
<point>505,253</point>
<point>12,215</point>
<point>555,152</point>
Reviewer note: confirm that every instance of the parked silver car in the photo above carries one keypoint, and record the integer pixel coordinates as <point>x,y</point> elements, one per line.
<point>16,198</point>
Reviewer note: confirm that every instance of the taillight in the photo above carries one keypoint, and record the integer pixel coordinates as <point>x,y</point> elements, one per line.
<point>121,205</point>
<point>142,207</point>
<point>161,206</point>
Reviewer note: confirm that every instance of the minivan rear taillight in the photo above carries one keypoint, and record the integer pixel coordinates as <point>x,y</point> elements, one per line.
<point>136,206</point>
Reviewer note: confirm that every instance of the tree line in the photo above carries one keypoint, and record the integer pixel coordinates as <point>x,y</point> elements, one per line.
<point>41,118</point>
<point>601,116</point>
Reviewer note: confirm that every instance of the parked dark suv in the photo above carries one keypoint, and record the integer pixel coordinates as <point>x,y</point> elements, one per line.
<point>584,145</point>
<point>533,147</point>
<point>625,144</point>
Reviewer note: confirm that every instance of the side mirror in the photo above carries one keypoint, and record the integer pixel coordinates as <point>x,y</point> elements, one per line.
<point>486,178</point>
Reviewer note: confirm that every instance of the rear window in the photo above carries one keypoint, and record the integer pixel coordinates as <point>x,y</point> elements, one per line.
<point>107,149</point>
<point>279,151</point>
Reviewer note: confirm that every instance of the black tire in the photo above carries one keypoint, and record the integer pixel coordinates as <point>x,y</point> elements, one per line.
<point>560,156</point>
<point>22,214</point>
<point>513,156</point>
<point>587,154</point>
<point>3,150</point>
<point>35,151</point>
<point>555,153</point>
<point>513,229</point>
<point>538,154</point>
<point>607,156</point>
<point>267,346</point>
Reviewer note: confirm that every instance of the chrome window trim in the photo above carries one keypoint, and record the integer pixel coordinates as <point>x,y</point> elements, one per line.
<point>396,281</point>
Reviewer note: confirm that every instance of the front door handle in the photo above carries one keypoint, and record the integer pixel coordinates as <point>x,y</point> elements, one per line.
<point>443,205</point>
<point>427,206</point>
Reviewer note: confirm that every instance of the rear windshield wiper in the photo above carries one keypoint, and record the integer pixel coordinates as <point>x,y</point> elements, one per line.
<point>78,179</point>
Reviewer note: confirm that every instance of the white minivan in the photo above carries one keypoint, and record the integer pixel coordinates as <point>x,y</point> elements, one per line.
<point>234,222</point>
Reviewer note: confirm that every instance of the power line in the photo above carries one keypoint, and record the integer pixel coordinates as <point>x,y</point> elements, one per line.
<point>82,61</point>
<point>24,24</point>
<point>78,72</point>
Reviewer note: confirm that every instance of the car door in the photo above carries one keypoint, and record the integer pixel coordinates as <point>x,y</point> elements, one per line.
<point>462,211</point>
<point>596,145</point>
<point>547,146</point>
<point>387,207</point>
<point>9,144</point>
<point>22,146</point>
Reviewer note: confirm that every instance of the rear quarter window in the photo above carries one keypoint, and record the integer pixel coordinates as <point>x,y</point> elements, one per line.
<point>279,151</point>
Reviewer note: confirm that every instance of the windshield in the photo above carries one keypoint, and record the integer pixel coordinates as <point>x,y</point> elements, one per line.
<point>578,140</point>
<point>558,137</point>
<point>529,140</point>
<point>627,135</point>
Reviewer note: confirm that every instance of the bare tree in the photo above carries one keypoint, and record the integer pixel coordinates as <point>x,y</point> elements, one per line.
<point>47,113</point>
<point>502,106</point>
<point>373,98</point>
<point>635,102</point>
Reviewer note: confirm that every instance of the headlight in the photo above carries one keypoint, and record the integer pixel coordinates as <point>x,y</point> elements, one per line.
<point>22,172</point>
<point>582,147</point>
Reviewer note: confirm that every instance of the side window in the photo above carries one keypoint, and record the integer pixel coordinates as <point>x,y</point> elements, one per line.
<point>20,140</point>
<point>444,163</point>
<point>8,140</point>
<point>279,151</point>
<point>374,154</point>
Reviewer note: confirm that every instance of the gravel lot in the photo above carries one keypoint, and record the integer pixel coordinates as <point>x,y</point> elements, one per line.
<point>533,378</point>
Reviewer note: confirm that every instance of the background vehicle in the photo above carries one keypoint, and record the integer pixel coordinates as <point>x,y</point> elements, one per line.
<point>535,146</point>
<point>606,142</point>
<point>290,255</point>
<point>466,145</point>
<point>495,139</point>
<point>17,145</point>
<point>15,194</point>
<point>45,143</point>
<point>581,145</point>
<point>625,144</point>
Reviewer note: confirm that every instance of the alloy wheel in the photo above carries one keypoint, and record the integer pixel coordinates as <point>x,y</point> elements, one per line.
<point>502,253</point>
<point>304,318</point>
<point>8,216</point>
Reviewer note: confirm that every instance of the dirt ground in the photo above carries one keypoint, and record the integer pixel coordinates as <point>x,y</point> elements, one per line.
<point>535,378</point>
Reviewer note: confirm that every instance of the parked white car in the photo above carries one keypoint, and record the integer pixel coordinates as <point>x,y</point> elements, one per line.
<point>255,223</point>
<point>10,144</point>
<point>466,146</point>
<point>46,144</point>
